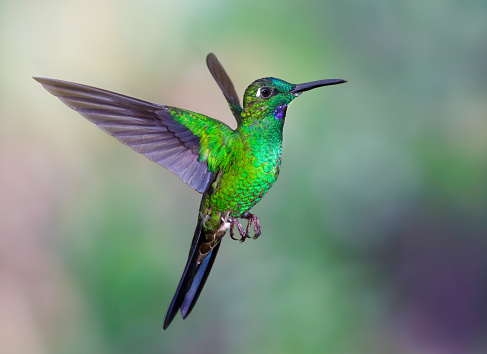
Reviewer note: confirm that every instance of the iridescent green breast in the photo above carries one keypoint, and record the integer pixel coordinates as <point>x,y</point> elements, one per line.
<point>252,170</point>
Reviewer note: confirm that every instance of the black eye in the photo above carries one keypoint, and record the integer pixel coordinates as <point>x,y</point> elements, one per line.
<point>265,92</point>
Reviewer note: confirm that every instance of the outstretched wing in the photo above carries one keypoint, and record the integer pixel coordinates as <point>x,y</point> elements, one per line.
<point>148,128</point>
<point>223,80</point>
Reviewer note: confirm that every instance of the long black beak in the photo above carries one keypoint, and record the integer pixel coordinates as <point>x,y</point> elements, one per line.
<point>314,84</point>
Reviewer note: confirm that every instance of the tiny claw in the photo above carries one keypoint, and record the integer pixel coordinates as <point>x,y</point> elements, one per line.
<point>232,235</point>
<point>257,229</point>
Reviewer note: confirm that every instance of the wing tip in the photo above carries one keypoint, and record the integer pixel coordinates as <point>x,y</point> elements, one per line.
<point>211,56</point>
<point>48,81</point>
<point>42,80</point>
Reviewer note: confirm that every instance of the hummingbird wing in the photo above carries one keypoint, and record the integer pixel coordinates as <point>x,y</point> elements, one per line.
<point>193,278</point>
<point>223,80</point>
<point>172,137</point>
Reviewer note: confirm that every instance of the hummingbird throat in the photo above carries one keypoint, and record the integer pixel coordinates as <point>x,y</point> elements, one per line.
<point>280,112</point>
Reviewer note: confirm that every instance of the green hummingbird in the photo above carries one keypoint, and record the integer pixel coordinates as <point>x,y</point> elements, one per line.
<point>233,169</point>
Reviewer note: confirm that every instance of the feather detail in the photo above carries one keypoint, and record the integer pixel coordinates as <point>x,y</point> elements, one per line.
<point>226,85</point>
<point>148,128</point>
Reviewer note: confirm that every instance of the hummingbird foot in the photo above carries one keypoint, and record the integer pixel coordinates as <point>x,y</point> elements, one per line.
<point>253,219</point>
<point>244,234</point>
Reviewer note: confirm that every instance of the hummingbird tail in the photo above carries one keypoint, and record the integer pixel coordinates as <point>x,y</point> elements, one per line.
<point>193,278</point>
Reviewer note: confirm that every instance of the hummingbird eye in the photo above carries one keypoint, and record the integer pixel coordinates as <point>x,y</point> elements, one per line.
<point>264,92</point>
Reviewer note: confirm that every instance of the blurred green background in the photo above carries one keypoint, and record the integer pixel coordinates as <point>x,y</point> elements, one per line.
<point>374,237</point>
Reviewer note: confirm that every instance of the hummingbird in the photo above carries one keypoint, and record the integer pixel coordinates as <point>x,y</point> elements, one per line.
<point>232,168</point>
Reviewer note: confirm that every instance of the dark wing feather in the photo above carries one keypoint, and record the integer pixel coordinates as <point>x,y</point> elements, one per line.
<point>223,80</point>
<point>146,127</point>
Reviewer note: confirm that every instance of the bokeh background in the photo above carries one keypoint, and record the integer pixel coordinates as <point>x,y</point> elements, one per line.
<point>374,237</point>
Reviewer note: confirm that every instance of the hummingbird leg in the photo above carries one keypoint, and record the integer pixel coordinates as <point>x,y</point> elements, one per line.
<point>243,234</point>
<point>252,219</point>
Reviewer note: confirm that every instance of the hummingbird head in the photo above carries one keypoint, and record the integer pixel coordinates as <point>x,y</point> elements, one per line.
<point>269,97</point>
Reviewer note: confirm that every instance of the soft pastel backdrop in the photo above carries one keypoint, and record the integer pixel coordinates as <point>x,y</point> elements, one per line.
<point>374,237</point>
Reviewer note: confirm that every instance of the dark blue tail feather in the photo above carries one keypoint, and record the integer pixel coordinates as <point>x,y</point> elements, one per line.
<point>198,282</point>
<point>193,279</point>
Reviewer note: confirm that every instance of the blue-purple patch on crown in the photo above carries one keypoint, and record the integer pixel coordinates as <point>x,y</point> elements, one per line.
<point>280,112</point>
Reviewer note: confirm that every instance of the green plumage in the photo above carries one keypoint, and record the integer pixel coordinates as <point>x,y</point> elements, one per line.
<point>233,169</point>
